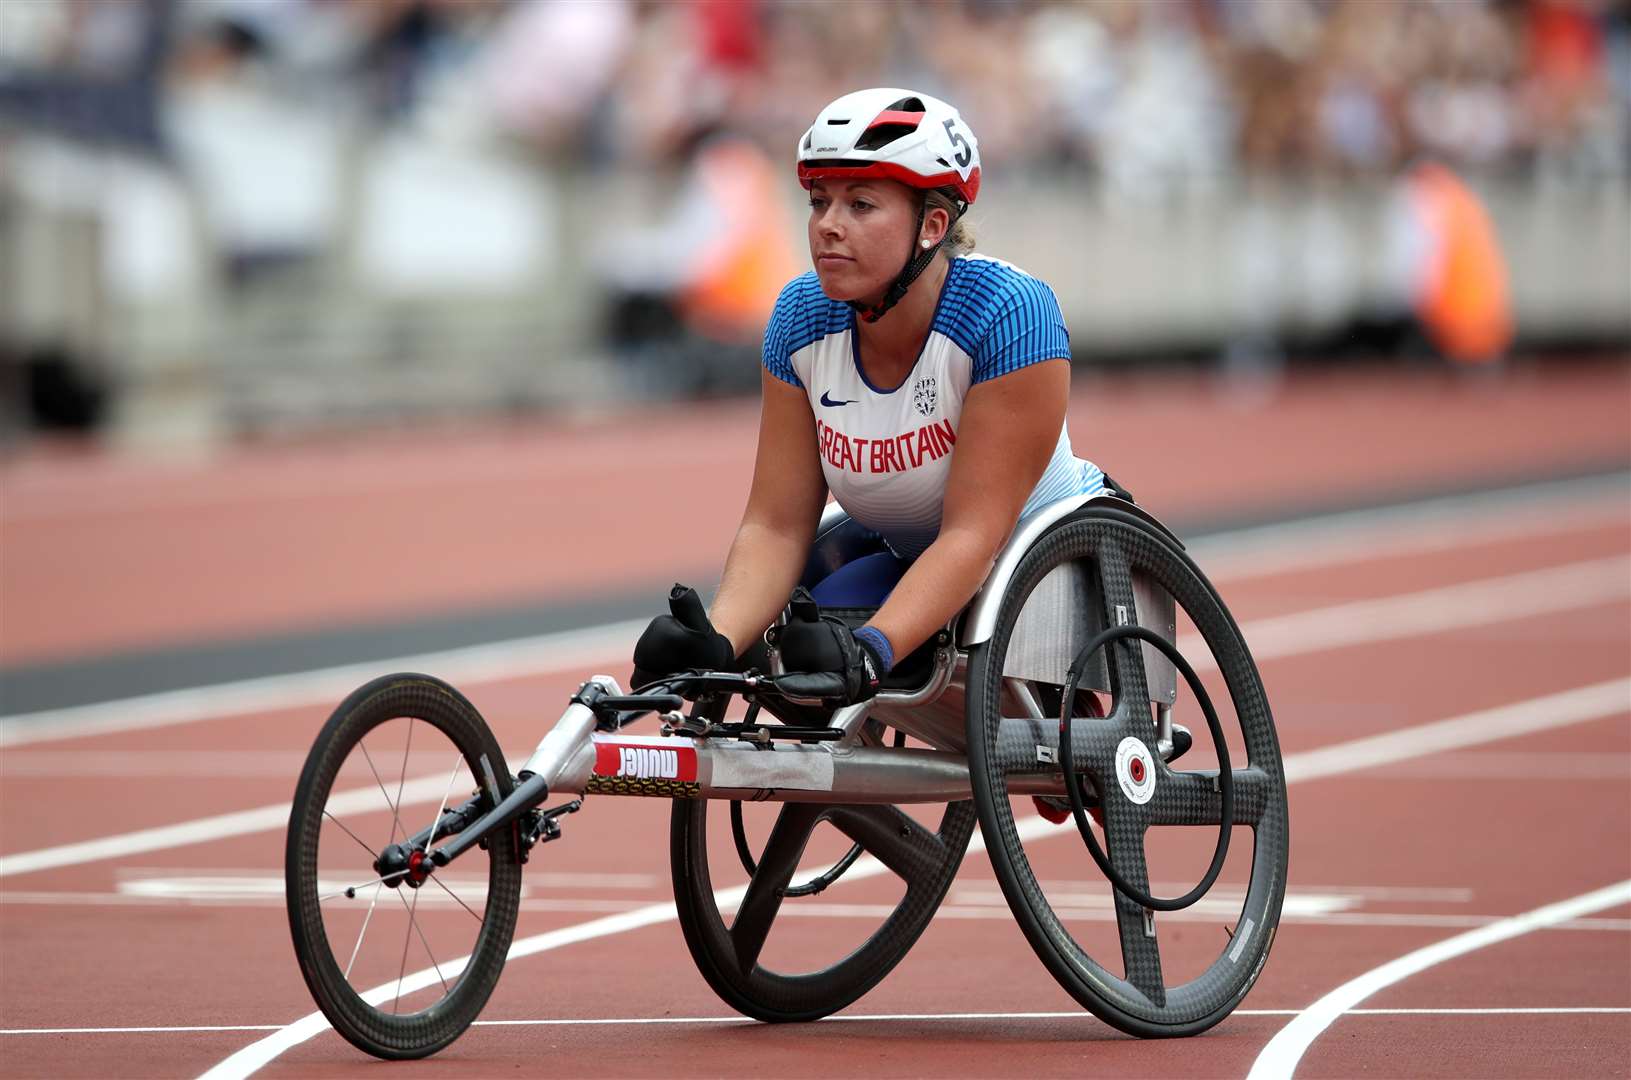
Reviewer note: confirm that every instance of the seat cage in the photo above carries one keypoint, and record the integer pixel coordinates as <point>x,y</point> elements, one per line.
<point>1061,614</point>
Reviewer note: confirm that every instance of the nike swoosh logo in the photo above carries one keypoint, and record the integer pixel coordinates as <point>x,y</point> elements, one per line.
<point>830,403</point>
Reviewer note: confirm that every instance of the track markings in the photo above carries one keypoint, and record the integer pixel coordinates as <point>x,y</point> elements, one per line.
<point>1438,525</point>
<point>565,651</point>
<point>1307,909</point>
<point>424,789</point>
<point>1595,702</point>
<point>128,764</point>
<point>1530,765</point>
<point>842,1018</point>
<point>1241,553</point>
<point>1279,1058</point>
<point>1303,912</point>
<point>1435,610</point>
<point>1608,699</point>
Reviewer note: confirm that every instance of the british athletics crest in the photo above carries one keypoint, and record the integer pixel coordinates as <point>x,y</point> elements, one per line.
<point>924,396</point>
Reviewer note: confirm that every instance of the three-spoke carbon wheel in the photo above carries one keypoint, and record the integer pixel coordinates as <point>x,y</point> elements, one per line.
<point>1143,800</point>
<point>399,958</point>
<point>920,860</point>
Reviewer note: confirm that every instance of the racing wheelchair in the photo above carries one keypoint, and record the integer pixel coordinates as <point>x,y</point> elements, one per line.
<point>1054,688</point>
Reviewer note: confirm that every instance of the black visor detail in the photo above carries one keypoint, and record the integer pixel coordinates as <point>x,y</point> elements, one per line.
<point>881,136</point>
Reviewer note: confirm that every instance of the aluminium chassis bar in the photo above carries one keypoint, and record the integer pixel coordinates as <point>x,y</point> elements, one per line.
<point>576,759</point>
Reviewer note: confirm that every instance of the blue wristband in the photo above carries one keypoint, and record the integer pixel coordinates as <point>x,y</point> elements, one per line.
<point>880,646</point>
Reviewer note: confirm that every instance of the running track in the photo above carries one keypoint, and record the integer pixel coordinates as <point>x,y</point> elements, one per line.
<point>1507,615</point>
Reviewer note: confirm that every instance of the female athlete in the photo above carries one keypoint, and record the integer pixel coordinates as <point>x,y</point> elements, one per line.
<point>922,386</point>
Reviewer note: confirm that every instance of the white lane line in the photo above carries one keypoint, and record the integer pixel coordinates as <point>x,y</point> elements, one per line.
<point>1575,765</point>
<point>125,764</point>
<point>1070,913</point>
<point>565,651</point>
<point>257,1054</point>
<point>359,800</point>
<point>136,1030</point>
<point>1537,714</point>
<point>997,912</point>
<point>1280,1057</point>
<point>842,1018</point>
<point>1334,539</point>
<point>134,878</point>
<point>1475,603</point>
<point>988,891</point>
<point>1434,611</point>
<point>1479,520</point>
<point>252,1057</point>
<point>1594,702</point>
<point>1548,1010</point>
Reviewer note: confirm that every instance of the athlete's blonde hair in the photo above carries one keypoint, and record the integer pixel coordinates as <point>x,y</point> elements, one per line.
<point>961,240</point>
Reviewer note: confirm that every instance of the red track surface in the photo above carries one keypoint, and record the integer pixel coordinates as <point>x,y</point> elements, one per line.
<point>100,555</point>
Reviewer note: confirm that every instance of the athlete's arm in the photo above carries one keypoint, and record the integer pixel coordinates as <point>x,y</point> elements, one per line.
<point>1010,426</point>
<point>784,507</point>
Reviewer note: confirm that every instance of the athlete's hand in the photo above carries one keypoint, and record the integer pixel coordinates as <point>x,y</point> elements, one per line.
<point>683,640</point>
<point>826,659</point>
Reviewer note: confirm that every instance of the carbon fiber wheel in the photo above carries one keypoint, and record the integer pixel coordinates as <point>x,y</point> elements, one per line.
<point>400,961</point>
<point>732,958</point>
<point>1145,803</point>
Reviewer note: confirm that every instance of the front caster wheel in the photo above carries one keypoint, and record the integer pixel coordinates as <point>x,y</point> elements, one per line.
<point>399,957</point>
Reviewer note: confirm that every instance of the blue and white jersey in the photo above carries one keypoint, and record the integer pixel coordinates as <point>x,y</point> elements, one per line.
<point>886,452</point>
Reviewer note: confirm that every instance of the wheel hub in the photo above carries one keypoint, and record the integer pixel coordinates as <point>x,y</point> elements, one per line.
<point>398,864</point>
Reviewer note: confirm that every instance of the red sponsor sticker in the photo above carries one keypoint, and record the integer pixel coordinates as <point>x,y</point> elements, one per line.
<point>640,762</point>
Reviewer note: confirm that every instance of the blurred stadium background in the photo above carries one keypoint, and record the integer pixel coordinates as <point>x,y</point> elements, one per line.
<point>230,218</point>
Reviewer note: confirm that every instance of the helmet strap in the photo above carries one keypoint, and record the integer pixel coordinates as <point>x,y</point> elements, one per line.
<point>916,263</point>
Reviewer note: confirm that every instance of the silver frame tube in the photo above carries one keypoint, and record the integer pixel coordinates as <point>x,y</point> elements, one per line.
<point>575,759</point>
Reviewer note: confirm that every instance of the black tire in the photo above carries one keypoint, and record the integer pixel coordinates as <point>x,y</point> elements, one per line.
<point>1116,544</point>
<point>378,1030</point>
<point>728,956</point>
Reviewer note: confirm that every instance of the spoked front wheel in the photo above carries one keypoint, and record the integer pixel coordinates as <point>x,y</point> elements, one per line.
<point>399,958</point>
<point>1110,560</point>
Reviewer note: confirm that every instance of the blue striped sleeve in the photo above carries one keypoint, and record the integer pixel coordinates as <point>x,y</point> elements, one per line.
<point>784,321</point>
<point>1026,328</point>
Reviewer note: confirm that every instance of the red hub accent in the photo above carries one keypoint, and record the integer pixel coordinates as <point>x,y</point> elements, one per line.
<point>417,870</point>
<point>1052,811</point>
<point>1136,768</point>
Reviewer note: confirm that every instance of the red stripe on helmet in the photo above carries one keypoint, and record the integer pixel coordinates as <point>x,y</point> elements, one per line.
<point>893,116</point>
<point>889,170</point>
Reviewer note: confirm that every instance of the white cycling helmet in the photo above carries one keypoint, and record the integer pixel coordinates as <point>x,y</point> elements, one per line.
<point>899,135</point>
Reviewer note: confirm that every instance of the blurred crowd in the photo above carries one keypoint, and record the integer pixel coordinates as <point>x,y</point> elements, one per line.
<point>1135,90</point>
<point>618,171</point>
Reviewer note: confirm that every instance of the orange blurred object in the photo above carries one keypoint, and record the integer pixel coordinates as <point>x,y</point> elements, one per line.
<point>741,273</point>
<point>1463,301</point>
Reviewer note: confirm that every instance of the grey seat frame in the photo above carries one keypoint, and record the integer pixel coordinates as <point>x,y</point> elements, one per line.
<point>1060,615</point>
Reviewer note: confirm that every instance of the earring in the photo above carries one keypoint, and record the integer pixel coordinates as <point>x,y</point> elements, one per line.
<point>927,245</point>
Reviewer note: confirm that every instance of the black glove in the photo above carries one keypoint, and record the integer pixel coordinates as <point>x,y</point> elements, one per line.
<point>682,641</point>
<point>825,659</point>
